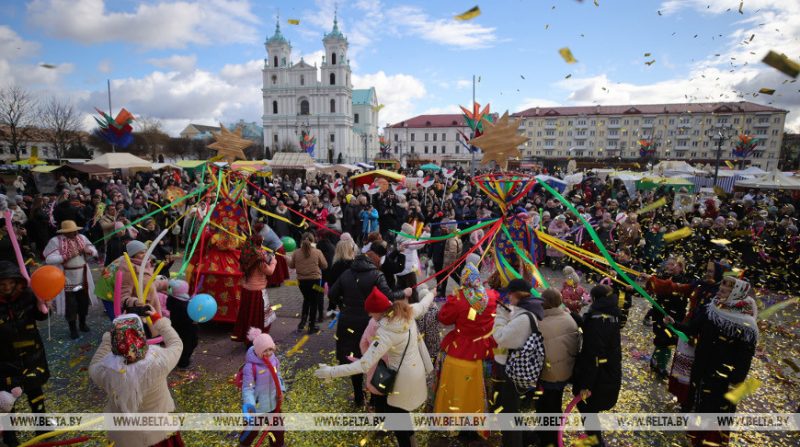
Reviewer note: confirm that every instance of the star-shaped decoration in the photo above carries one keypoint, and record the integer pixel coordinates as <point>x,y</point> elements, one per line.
<point>230,145</point>
<point>499,141</point>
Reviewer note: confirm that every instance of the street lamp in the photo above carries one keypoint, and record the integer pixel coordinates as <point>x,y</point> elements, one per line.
<point>366,138</point>
<point>720,134</point>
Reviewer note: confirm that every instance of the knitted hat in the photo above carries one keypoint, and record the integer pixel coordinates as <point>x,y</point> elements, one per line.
<point>179,289</point>
<point>261,341</point>
<point>135,247</point>
<point>376,302</point>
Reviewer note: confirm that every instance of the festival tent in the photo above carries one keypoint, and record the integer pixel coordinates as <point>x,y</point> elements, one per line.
<point>674,167</point>
<point>368,177</point>
<point>556,183</point>
<point>771,180</point>
<point>45,169</point>
<point>251,166</point>
<point>628,178</point>
<point>430,167</point>
<point>671,183</point>
<point>365,166</point>
<point>121,160</point>
<point>190,164</point>
<point>752,170</point>
<point>160,166</point>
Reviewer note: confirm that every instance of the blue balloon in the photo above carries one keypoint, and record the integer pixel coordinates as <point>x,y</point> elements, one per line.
<point>202,307</point>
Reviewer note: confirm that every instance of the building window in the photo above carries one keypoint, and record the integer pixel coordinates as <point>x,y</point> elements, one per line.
<point>412,149</point>
<point>333,58</point>
<point>274,107</point>
<point>434,137</point>
<point>395,149</point>
<point>444,137</point>
<point>274,63</point>
<point>426,137</point>
<point>395,138</point>
<point>333,138</point>
<point>434,149</point>
<point>275,138</point>
<point>426,149</point>
<point>333,106</point>
<point>304,108</point>
<point>355,118</point>
<point>736,121</point>
<point>412,137</point>
<point>457,149</point>
<point>274,79</point>
<point>302,80</point>
<point>776,120</point>
<point>333,79</point>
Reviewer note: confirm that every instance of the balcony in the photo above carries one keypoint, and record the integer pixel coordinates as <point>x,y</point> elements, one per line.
<point>611,125</point>
<point>647,125</point>
<point>549,125</point>
<point>578,125</point>
<point>760,124</point>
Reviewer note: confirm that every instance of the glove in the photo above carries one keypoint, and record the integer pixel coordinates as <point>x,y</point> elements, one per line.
<point>324,371</point>
<point>248,408</point>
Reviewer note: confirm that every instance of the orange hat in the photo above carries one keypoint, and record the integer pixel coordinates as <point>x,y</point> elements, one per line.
<point>376,302</point>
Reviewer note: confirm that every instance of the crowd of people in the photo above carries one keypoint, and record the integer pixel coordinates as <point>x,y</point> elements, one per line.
<point>368,254</point>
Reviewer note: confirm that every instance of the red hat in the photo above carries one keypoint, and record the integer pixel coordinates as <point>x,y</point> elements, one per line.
<point>376,302</point>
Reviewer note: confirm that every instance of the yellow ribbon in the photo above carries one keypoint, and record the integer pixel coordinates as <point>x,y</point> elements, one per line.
<point>133,274</point>
<point>151,281</point>
<point>58,431</point>
<point>273,215</point>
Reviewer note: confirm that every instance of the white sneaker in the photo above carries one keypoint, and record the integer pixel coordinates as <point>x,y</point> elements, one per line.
<point>330,313</point>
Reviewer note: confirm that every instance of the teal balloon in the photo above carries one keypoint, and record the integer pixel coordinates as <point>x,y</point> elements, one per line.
<point>289,244</point>
<point>202,307</point>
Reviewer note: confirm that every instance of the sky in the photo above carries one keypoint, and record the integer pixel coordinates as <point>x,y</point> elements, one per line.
<point>200,60</point>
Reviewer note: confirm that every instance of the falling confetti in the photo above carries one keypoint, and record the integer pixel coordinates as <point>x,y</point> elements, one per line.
<point>649,63</point>
<point>766,91</point>
<point>782,63</point>
<point>568,76</point>
<point>646,54</point>
<point>566,54</point>
<point>48,66</point>
<point>597,3</point>
<point>741,5</point>
<point>746,388</point>
<point>469,15</point>
<point>293,22</point>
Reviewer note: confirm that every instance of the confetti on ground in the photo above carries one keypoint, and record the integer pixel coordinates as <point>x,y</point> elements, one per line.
<point>566,54</point>
<point>470,14</point>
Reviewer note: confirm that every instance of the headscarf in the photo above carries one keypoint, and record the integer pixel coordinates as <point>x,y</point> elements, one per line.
<point>128,339</point>
<point>472,288</point>
<point>736,316</point>
<point>251,254</point>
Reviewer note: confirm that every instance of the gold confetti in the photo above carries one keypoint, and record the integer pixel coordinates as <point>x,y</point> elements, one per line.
<point>293,22</point>
<point>649,63</point>
<point>362,442</point>
<point>741,5</point>
<point>566,54</point>
<point>766,91</point>
<point>646,54</point>
<point>276,307</point>
<point>782,63</point>
<point>498,410</point>
<point>744,389</point>
<point>472,314</point>
<point>297,346</point>
<point>470,14</point>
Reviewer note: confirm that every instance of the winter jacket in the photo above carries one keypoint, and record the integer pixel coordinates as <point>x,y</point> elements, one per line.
<point>511,331</point>
<point>22,355</point>
<point>470,339</point>
<point>128,296</point>
<point>561,343</point>
<point>599,364</point>
<point>410,389</point>
<point>366,340</point>
<point>308,267</point>
<point>452,250</point>
<point>673,297</point>
<point>155,395</point>
<point>369,221</point>
<point>351,290</point>
<point>573,296</point>
<point>336,270</point>
<point>411,254</point>
<point>260,391</point>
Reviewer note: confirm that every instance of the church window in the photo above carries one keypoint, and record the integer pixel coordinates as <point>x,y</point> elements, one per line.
<point>333,58</point>
<point>283,61</point>
<point>274,107</point>
<point>275,138</point>
<point>304,109</point>
<point>274,79</point>
<point>355,118</point>
<point>333,138</point>
<point>302,80</point>
<point>333,106</point>
<point>333,79</point>
<point>275,61</point>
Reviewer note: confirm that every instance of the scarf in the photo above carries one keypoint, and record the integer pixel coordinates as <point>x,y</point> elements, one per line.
<point>736,316</point>
<point>71,247</point>
<point>128,340</point>
<point>472,288</point>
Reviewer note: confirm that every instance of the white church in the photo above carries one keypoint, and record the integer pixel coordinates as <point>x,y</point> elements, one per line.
<point>320,101</point>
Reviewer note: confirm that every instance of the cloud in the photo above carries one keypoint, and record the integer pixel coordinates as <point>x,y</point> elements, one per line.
<point>396,92</point>
<point>448,109</point>
<point>105,66</point>
<point>412,21</point>
<point>529,103</point>
<point>151,25</point>
<point>18,66</point>
<point>177,62</point>
<point>463,83</point>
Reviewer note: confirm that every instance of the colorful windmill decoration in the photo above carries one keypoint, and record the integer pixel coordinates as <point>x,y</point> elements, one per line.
<point>116,131</point>
<point>307,143</point>
<point>385,146</point>
<point>745,145</point>
<point>647,148</point>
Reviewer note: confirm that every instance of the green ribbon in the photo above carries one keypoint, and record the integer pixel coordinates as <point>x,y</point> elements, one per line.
<point>516,273</point>
<point>608,257</point>
<point>147,216</point>
<point>448,236</point>
<point>187,259</point>
<point>523,256</point>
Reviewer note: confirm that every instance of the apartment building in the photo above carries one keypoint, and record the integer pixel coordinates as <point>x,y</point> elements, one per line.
<point>681,131</point>
<point>430,139</point>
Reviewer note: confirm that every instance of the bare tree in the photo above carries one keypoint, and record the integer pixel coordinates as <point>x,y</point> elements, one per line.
<point>152,138</point>
<point>61,122</point>
<point>17,109</point>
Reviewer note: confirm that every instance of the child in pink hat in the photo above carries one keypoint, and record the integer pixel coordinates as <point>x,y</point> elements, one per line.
<point>262,385</point>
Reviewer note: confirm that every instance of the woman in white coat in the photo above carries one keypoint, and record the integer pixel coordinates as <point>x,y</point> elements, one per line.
<point>398,337</point>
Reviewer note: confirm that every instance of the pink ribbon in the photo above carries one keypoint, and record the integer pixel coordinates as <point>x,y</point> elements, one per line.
<point>15,243</point>
<point>570,406</point>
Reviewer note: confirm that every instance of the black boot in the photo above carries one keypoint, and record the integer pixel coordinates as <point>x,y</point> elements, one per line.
<point>83,326</point>
<point>73,330</point>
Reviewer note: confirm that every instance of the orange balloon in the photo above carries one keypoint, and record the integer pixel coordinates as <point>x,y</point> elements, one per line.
<point>47,282</point>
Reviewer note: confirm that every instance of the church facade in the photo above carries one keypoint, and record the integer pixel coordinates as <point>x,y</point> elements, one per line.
<point>304,99</point>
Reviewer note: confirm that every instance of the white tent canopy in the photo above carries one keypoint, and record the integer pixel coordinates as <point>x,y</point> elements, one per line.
<point>752,170</point>
<point>771,180</point>
<point>121,160</point>
<point>674,167</point>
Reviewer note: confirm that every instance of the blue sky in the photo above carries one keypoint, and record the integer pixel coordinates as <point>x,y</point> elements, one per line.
<point>199,60</point>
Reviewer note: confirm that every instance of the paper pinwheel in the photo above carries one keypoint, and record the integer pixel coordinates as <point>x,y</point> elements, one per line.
<point>745,146</point>
<point>116,131</point>
<point>385,146</point>
<point>307,143</point>
<point>646,147</point>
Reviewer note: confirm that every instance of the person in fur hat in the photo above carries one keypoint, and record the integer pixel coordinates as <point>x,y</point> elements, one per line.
<point>23,362</point>
<point>177,304</point>
<point>727,335</point>
<point>262,385</point>
<point>134,376</point>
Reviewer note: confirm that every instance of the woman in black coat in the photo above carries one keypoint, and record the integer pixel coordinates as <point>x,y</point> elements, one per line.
<point>598,368</point>
<point>22,356</point>
<point>351,290</point>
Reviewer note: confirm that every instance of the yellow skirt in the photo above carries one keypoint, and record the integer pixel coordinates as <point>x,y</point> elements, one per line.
<point>461,388</point>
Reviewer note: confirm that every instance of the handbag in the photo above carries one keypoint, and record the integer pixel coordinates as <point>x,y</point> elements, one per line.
<point>384,377</point>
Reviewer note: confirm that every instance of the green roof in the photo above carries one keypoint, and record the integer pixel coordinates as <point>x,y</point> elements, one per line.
<point>335,33</point>
<point>277,37</point>
<point>363,96</point>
